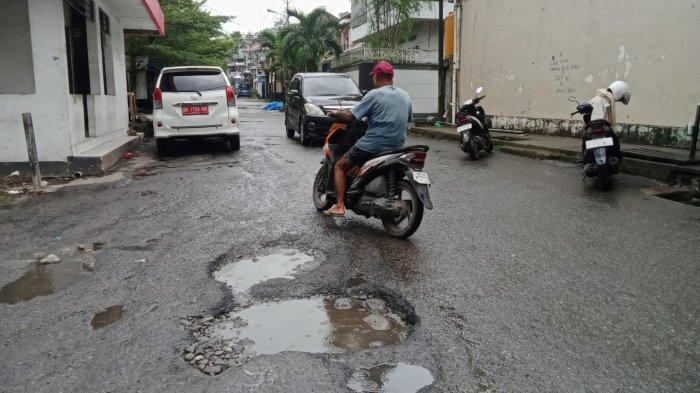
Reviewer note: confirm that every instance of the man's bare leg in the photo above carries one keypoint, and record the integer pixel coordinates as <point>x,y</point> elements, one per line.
<point>339,171</point>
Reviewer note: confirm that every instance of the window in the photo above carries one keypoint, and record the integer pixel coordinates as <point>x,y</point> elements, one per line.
<point>295,84</point>
<point>192,81</point>
<point>16,59</point>
<point>358,10</point>
<point>107,56</point>
<point>330,86</point>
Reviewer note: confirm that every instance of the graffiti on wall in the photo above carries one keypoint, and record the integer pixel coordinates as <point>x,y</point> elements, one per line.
<point>561,68</point>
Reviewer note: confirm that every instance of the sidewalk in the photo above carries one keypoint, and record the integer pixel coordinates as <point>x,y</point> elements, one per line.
<point>651,161</point>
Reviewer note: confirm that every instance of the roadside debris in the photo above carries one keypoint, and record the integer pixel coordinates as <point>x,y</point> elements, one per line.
<point>89,265</point>
<point>51,258</point>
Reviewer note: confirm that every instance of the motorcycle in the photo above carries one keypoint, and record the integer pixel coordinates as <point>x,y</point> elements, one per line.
<point>473,127</point>
<point>601,149</point>
<point>391,186</point>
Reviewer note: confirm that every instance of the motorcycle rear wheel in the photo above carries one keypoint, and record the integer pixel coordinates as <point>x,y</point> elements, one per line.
<point>408,225</point>
<point>321,200</point>
<point>472,148</point>
<point>603,178</point>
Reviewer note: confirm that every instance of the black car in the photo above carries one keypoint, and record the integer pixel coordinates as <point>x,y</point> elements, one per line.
<point>308,94</point>
<point>244,90</point>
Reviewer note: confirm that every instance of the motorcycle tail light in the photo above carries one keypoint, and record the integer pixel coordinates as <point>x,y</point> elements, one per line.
<point>416,159</point>
<point>461,119</point>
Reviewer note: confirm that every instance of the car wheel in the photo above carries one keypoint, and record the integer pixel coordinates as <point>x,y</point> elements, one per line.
<point>235,142</point>
<point>290,132</point>
<point>304,136</point>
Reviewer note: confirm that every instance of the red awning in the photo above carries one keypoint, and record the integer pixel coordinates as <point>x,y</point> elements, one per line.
<point>156,14</point>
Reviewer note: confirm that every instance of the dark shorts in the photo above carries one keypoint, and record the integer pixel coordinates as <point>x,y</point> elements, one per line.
<point>358,157</point>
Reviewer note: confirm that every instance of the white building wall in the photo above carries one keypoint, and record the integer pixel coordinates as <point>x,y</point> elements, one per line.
<point>57,115</point>
<point>49,106</point>
<point>429,11</point>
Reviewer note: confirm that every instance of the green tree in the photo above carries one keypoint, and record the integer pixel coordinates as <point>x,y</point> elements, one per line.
<point>192,37</point>
<point>390,20</point>
<point>306,42</point>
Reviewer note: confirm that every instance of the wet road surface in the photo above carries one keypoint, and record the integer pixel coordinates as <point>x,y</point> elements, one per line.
<point>522,279</point>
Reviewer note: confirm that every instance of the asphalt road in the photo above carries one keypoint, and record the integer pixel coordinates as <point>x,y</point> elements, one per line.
<point>524,278</point>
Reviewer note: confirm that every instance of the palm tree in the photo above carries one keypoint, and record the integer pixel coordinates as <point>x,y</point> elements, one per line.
<point>306,42</point>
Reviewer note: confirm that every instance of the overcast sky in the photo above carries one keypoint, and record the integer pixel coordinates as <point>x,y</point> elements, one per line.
<point>252,15</point>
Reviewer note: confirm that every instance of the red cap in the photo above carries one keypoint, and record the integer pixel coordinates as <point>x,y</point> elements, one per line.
<point>383,68</point>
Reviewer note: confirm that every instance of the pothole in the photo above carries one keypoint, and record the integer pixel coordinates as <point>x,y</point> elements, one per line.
<point>41,280</point>
<point>242,275</point>
<point>676,194</point>
<point>385,378</point>
<point>313,325</point>
<point>107,317</point>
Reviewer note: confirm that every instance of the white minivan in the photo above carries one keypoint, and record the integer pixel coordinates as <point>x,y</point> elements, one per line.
<point>193,102</point>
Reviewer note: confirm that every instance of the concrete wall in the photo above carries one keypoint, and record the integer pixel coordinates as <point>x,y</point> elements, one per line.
<point>532,55</point>
<point>48,105</point>
<point>57,115</point>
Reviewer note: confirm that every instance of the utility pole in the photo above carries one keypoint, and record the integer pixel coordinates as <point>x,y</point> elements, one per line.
<point>441,54</point>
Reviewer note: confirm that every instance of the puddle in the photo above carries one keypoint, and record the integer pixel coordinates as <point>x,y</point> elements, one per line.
<point>244,274</point>
<point>315,325</point>
<point>41,280</point>
<point>150,244</point>
<point>355,281</point>
<point>107,317</point>
<point>390,378</point>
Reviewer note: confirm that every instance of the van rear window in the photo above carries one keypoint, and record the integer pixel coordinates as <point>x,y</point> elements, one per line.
<point>189,81</point>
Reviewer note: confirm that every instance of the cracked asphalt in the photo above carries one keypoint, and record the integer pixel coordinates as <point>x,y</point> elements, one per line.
<point>524,279</point>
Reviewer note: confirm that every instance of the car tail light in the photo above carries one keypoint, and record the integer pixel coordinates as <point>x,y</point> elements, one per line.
<point>157,98</point>
<point>230,97</point>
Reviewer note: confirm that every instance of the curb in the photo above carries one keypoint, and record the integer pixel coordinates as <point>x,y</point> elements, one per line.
<point>669,173</point>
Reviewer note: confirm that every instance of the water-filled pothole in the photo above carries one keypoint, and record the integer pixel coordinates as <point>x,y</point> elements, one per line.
<point>391,378</point>
<point>313,325</point>
<point>41,280</point>
<point>107,317</point>
<point>242,275</point>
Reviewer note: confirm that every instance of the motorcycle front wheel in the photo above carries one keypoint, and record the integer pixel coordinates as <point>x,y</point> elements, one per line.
<point>321,200</point>
<point>404,227</point>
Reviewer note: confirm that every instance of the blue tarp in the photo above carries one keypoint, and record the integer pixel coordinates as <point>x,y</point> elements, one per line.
<point>272,106</point>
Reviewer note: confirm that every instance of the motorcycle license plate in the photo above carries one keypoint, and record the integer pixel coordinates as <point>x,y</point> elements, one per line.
<point>464,127</point>
<point>600,142</point>
<point>421,177</point>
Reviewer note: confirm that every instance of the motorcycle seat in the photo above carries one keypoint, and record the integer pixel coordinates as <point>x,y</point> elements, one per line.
<point>404,149</point>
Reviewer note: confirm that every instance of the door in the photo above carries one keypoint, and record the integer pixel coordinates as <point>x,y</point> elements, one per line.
<point>194,99</point>
<point>294,103</point>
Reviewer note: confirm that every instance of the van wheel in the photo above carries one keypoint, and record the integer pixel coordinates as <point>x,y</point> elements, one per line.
<point>162,146</point>
<point>290,133</point>
<point>235,141</point>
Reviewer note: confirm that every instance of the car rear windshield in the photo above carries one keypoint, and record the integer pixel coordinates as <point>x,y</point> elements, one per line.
<point>330,86</point>
<point>189,81</point>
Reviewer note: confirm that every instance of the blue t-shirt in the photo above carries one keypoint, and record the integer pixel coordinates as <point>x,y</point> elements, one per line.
<point>388,110</point>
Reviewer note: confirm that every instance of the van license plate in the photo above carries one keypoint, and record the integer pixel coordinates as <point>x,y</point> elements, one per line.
<point>188,110</point>
<point>600,142</point>
<point>421,178</point>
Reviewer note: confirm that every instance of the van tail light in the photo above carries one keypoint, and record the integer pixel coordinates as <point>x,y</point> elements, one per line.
<point>157,98</point>
<point>230,97</point>
<point>415,160</point>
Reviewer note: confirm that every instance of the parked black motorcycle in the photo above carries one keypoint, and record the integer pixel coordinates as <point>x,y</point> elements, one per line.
<point>473,127</point>
<point>602,157</point>
<point>391,186</point>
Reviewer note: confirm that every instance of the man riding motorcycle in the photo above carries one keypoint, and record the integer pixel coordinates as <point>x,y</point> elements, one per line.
<point>388,110</point>
<point>604,110</point>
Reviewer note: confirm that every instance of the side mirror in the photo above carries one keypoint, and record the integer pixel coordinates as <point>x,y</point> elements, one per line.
<point>365,92</point>
<point>479,90</point>
<point>294,92</point>
<point>574,100</point>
